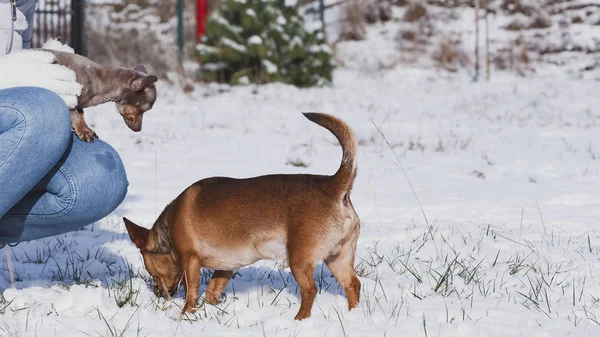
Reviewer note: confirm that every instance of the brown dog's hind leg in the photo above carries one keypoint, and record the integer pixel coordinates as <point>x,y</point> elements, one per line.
<point>217,284</point>
<point>303,267</point>
<point>191,280</point>
<point>342,267</point>
<point>82,130</point>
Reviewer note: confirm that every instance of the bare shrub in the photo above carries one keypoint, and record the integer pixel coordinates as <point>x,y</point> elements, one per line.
<point>371,14</point>
<point>514,57</point>
<point>414,36</point>
<point>385,10</point>
<point>519,22</point>
<point>378,10</point>
<point>354,26</point>
<point>415,11</point>
<point>408,34</point>
<point>538,20</point>
<point>541,19</point>
<point>517,6</point>
<point>577,19</point>
<point>448,54</point>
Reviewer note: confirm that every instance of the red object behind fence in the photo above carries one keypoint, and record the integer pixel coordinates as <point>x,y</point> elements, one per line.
<point>201,14</point>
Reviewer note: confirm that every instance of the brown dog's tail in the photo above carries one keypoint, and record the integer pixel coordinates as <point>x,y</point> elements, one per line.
<point>344,177</point>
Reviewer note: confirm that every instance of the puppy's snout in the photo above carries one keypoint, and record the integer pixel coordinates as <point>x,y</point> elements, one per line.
<point>132,117</point>
<point>135,125</point>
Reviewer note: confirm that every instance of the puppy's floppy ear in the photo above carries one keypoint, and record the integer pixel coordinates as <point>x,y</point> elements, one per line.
<point>140,69</point>
<point>143,82</point>
<point>149,80</point>
<point>138,235</point>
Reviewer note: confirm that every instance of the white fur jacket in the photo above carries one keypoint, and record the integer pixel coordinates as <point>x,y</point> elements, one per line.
<point>30,67</point>
<point>11,30</point>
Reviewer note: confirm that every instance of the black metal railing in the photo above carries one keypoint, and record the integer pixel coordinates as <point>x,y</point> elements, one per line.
<point>61,19</point>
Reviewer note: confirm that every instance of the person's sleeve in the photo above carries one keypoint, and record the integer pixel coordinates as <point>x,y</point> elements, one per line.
<point>29,12</point>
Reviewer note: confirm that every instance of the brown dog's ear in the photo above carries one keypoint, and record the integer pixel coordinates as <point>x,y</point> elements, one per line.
<point>140,69</point>
<point>138,235</point>
<point>143,82</point>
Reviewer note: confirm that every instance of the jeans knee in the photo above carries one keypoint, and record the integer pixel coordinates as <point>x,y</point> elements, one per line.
<point>117,180</point>
<point>43,115</point>
<point>103,186</point>
<point>120,185</point>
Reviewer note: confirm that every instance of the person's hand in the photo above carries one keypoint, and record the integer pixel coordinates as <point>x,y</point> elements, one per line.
<point>37,68</point>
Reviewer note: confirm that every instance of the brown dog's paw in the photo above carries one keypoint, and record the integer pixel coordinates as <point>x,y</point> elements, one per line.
<point>302,315</point>
<point>85,133</point>
<point>212,299</point>
<point>188,310</point>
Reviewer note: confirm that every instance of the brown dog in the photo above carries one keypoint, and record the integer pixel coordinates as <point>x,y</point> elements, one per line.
<point>226,223</point>
<point>133,91</point>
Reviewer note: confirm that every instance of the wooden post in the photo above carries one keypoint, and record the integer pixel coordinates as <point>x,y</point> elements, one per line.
<point>487,40</point>
<point>476,41</point>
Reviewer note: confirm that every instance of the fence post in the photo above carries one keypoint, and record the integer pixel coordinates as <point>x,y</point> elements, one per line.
<point>201,13</point>
<point>322,14</point>
<point>180,26</point>
<point>78,27</point>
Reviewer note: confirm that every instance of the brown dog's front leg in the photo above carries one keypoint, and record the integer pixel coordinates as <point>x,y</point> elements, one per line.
<point>217,284</point>
<point>82,130</point>
<point>191,278</point>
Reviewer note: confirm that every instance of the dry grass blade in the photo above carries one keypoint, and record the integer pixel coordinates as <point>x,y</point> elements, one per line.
<point>403,171</point>
<point>11,271</point>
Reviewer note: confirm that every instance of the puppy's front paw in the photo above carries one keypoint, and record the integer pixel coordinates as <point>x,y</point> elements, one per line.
<point>85,133</point>
<point>188,310</point>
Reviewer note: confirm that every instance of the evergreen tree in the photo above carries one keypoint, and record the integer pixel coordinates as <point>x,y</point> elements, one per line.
<point>263,41</point>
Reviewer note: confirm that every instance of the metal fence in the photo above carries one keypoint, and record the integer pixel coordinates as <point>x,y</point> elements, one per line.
<point>330,13</point>
<point>318,8</point>
<point>62,19</point>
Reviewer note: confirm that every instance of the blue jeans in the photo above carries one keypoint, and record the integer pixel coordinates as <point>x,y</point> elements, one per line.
<point>50,181</point>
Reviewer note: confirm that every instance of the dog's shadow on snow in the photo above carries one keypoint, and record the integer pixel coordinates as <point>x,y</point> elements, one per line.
<point>271,282</point>
<point>104,253</point>
<point>93,255</point>
<point>99,254</point>
<point>85,256</point>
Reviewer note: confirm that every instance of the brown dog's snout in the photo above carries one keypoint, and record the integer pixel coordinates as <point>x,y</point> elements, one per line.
<point>156,290</point>
<point>166,293</point>
<point>132,117</point>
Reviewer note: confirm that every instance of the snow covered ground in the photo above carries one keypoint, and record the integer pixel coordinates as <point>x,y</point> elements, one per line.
<point>506,243</point>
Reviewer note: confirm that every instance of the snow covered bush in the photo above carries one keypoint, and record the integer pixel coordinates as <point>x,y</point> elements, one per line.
<point>415,11</point>
<point>263,41</point>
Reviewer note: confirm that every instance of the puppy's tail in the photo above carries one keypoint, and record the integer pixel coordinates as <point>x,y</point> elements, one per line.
<point>344,177</point>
